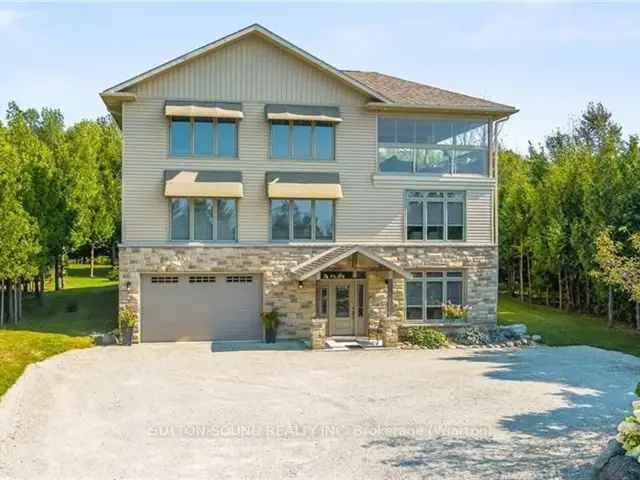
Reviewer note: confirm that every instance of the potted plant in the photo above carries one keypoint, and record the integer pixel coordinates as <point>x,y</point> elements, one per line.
<point>127,319</point>
<point>455,312</point>
<point>271,320</point>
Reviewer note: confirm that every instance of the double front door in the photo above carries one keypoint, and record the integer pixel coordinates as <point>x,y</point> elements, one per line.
<point>344,303</point>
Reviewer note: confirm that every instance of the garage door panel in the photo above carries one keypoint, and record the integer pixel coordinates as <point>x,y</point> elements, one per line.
<point>201,307</point>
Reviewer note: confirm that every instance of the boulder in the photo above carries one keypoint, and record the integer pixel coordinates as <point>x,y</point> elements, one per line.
<point>612,449</point>
<point>536,338</point>
<point>613,464</point>
<point>515,330</point>
<point>620,467</point>
<point>102,339</point>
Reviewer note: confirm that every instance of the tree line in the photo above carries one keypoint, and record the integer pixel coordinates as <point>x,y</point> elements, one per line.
<point>59,193</point>
<point>568,209</point>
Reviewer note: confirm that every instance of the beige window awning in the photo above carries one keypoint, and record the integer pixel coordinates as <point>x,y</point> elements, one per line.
<point>303,113</point>
<point>304,185</point>
<point>203,183</point>
<point>182,108</point>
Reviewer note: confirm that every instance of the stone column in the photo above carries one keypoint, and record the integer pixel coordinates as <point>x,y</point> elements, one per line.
<point>396,318</point>
<point>129,284</point>
<point>385,319</point>
<point>318,333</point>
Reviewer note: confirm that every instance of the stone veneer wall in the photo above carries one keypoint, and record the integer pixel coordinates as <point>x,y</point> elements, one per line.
<point>297,303</point>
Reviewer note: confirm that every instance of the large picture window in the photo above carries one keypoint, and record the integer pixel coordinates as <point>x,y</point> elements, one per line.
<point>426,292</point>
<point>299,220</point>
<point>207,137</point>
<point>435,215</point>
<point>302,140</point>
<point>204,219</point>
<point>431,146</point>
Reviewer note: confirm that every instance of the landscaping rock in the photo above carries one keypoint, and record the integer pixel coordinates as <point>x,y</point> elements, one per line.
<point>612,449</point>
<point>514,331</point>
<point>613,464</point>
<point>500,337</point>
<point>536,338</point>
<point>102,339</point>
<point>620,467</point>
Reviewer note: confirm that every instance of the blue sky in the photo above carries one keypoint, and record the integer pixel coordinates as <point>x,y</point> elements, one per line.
<point>547,59</point>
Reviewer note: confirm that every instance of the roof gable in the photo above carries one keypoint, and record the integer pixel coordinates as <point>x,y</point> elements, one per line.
<point>330,257</point>
<point>220,43</point>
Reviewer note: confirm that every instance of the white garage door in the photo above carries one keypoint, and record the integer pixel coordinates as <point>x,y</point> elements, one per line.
<point>200,307</point>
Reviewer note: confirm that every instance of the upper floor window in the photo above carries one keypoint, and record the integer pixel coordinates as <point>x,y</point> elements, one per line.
<point>208,137</point>
<point>435,215</point>
<point>301,140</point>
<point>300,219</point>
<point>429,146</point>
<point>203,219</point>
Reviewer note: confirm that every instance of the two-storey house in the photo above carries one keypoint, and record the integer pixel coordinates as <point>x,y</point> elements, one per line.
<point>256,177</point>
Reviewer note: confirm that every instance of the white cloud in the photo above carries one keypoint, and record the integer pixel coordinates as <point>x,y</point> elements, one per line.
<point>9,18</point>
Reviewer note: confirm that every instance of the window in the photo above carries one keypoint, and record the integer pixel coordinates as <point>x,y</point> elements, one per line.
<point>429,146</point>
<point>179,219</point>
<point>299,220</point>
<point>164,279</point>
<point>435,215</point>
<point>202,279</point>
<point>207,137</point>
<point>426,292</point>
<point>239,279</point>
<point>302,140</point>
<point>323,306</point>
<point>203,219</point>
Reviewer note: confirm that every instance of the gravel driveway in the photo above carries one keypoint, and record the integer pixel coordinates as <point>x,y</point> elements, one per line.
<point>181,411</point>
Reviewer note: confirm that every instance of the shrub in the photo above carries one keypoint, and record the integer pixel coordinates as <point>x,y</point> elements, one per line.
<point>114,274</point>
<point>127,317</point>
<point>271,319</point>
<point>426,337</point>
<point>629,431</point>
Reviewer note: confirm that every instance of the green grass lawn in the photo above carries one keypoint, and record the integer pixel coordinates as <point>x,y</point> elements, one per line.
<point>559,328</point>
<point>61,321</point>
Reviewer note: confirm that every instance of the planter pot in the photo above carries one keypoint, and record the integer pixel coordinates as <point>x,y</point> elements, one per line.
<point>127,335</point>
<point>270,335</point>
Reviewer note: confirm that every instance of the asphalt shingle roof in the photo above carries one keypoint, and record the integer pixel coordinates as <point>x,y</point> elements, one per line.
<point>406,92</point>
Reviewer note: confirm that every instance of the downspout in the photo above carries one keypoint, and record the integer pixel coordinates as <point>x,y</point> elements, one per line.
<point>495,175</point>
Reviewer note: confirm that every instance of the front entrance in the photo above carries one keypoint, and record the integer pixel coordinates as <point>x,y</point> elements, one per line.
<point>344,304</point>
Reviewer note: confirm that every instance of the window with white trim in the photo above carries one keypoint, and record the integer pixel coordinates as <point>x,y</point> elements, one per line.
<point>203,219</point>
<point>435,215</point>
<point>300,220</point>
<point>426,292</point>
<point>433,146</point>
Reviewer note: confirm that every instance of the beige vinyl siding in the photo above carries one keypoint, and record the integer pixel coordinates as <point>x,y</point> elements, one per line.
<point>479,216</point>
<point>255,72</point>
<point>250,69</point>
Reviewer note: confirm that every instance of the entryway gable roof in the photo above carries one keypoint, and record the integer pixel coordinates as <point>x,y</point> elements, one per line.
<point>326,259</point>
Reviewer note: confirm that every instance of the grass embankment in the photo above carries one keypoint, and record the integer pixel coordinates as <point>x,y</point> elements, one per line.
<point>560,328</point>
<point>60,321</point>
